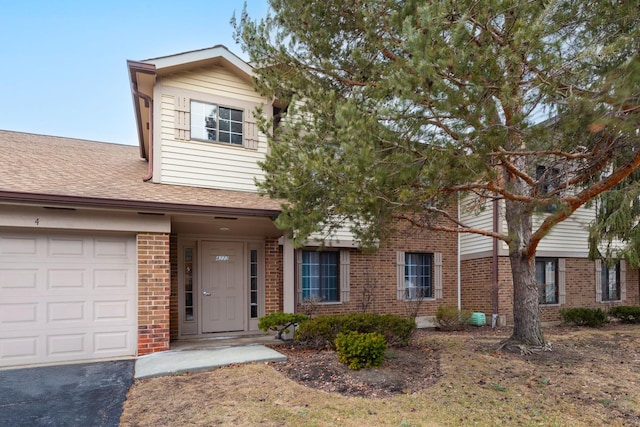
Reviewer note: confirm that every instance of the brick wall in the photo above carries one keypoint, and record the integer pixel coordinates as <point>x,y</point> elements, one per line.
<point>153,292</point>
<point>580,288</point>
<point>173,300</point>
<point>273,276</point>
<point>373,275</point>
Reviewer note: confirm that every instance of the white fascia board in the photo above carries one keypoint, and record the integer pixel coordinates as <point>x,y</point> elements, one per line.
<point>199,56</point>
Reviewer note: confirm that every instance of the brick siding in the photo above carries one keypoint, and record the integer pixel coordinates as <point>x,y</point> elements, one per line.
<point>153,292</point>
<point>373,276</point>
<point>580,288</point>
<point>273,276</point>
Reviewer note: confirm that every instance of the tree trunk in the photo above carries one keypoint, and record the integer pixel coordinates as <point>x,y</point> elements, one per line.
<point>527,328</point>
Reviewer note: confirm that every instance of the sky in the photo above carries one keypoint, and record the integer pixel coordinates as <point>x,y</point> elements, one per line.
<point>63,69</point>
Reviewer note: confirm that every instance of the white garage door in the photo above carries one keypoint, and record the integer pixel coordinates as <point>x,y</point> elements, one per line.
<point>66,297</point>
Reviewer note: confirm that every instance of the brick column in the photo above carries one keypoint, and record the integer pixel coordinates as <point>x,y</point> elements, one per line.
<point>273,276</point>
<point>154,289</point>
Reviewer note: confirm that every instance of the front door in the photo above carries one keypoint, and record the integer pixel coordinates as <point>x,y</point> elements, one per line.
<point>222,287</point>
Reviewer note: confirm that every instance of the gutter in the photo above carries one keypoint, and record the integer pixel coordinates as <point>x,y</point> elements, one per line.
<point>148,103</point>
<point>495,284</point>
<point>75,201</point>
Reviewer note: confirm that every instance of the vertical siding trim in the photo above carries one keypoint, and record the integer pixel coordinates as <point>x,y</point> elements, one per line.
<point>345,274</point>
<point>598,280</point>
<point>623,280</point>
<point>562,269</point>
<point>298,255</point>
<point>437,275</point>
<point>250,130</point>
<point>182,117</point>
<point>400,275</point>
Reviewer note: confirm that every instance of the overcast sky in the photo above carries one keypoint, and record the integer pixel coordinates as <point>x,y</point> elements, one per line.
<point>64,67</point>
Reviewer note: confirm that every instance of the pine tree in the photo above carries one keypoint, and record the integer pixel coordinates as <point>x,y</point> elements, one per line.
<point>396,110</point>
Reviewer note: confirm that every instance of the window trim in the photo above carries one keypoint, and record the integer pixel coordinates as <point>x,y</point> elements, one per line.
<point>182,121</point>
<point>218,107</point>
<point>621,275</point>
<point>436,275</point>
<point>343,275</point>
<point>542,297</point>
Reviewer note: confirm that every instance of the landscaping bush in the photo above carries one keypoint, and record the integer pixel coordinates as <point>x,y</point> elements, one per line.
<point>449,318</point>
<point>322,330</point>
<point>358,350</point>
<point>626,313</point>
<point>280,322</point>
<point>592,317</point>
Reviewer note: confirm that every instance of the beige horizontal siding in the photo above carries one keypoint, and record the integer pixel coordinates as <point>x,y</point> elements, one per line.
<point>214,80</point>
<point>212,165</point>
<point>569,236</point>
<point>474,243</point>
<point>206,164</point>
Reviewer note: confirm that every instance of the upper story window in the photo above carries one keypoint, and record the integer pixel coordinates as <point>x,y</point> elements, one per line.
<point>547,278</point>
<point>211,122</point>
<point>610,277</point>
<point>548,179</point>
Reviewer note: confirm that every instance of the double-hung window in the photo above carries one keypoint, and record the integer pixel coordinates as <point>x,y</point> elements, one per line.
<point>610,279</point>
<point>320,276</point>
<point>418,275</point>
<point>547,278</point>
<point>211,122</point>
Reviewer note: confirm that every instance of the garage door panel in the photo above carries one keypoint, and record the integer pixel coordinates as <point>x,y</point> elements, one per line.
<point>18,245</point>
<point>12,279</point>
<point>66,298</point>
<point>18,350</point>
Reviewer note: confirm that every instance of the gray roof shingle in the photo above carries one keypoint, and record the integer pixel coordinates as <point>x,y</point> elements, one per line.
<point>38,167</point>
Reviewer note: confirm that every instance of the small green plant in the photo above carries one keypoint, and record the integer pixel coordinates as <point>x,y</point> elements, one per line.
<point>281,322</point>
<point>581,316</point>
<point>358,350</point>
<point>626,313</point>
<point>449,318</point>
<point>322,330</point>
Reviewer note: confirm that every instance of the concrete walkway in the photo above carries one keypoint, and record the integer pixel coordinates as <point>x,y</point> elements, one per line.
<point>203,356</point>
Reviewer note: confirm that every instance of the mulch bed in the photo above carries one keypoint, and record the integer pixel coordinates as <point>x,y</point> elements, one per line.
<point>405,370</point>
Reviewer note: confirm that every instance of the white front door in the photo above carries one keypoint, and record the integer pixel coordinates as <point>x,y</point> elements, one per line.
<point>222,290</point>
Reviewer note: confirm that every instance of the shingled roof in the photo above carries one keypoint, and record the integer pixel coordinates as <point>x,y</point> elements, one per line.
<point>49,169</point>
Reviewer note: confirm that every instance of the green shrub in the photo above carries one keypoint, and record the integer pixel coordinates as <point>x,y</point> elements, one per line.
<point>358,350</point>
<point>322,330</point>
<point>281,322</point>
<point>592,317</point>
<point>626,313</point>
<point>449,318</point>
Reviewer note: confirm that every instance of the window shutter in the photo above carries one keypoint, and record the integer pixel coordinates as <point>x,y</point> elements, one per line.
<point>400,275</point>
<point>437,275</point>
<point>250,131</point>
<point>344,275</point>
<point>562,268</point>
<point>299,276</point>
<point>182,105</point>
<point>623,280</point>
<point>598,280</point>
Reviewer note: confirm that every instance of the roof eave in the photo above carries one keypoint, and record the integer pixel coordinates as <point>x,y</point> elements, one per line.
<point>163,207</point>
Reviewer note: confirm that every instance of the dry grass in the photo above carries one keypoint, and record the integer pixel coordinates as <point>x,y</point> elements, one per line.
<point>592,377</point>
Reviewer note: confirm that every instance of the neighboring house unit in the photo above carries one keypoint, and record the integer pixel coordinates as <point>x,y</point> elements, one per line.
<point>110,251</point>
<point>566,277</point>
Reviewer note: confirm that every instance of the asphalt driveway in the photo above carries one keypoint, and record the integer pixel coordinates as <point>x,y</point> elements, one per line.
<point>89,394</point>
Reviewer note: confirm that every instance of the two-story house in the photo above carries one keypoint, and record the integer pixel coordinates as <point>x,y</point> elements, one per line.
<point>566,276</point>
<point>110,251</point>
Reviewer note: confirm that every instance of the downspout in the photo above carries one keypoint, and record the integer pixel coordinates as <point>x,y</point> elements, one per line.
<point>459,266</point>
<point>494,293</point>
<point>148,101</point>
